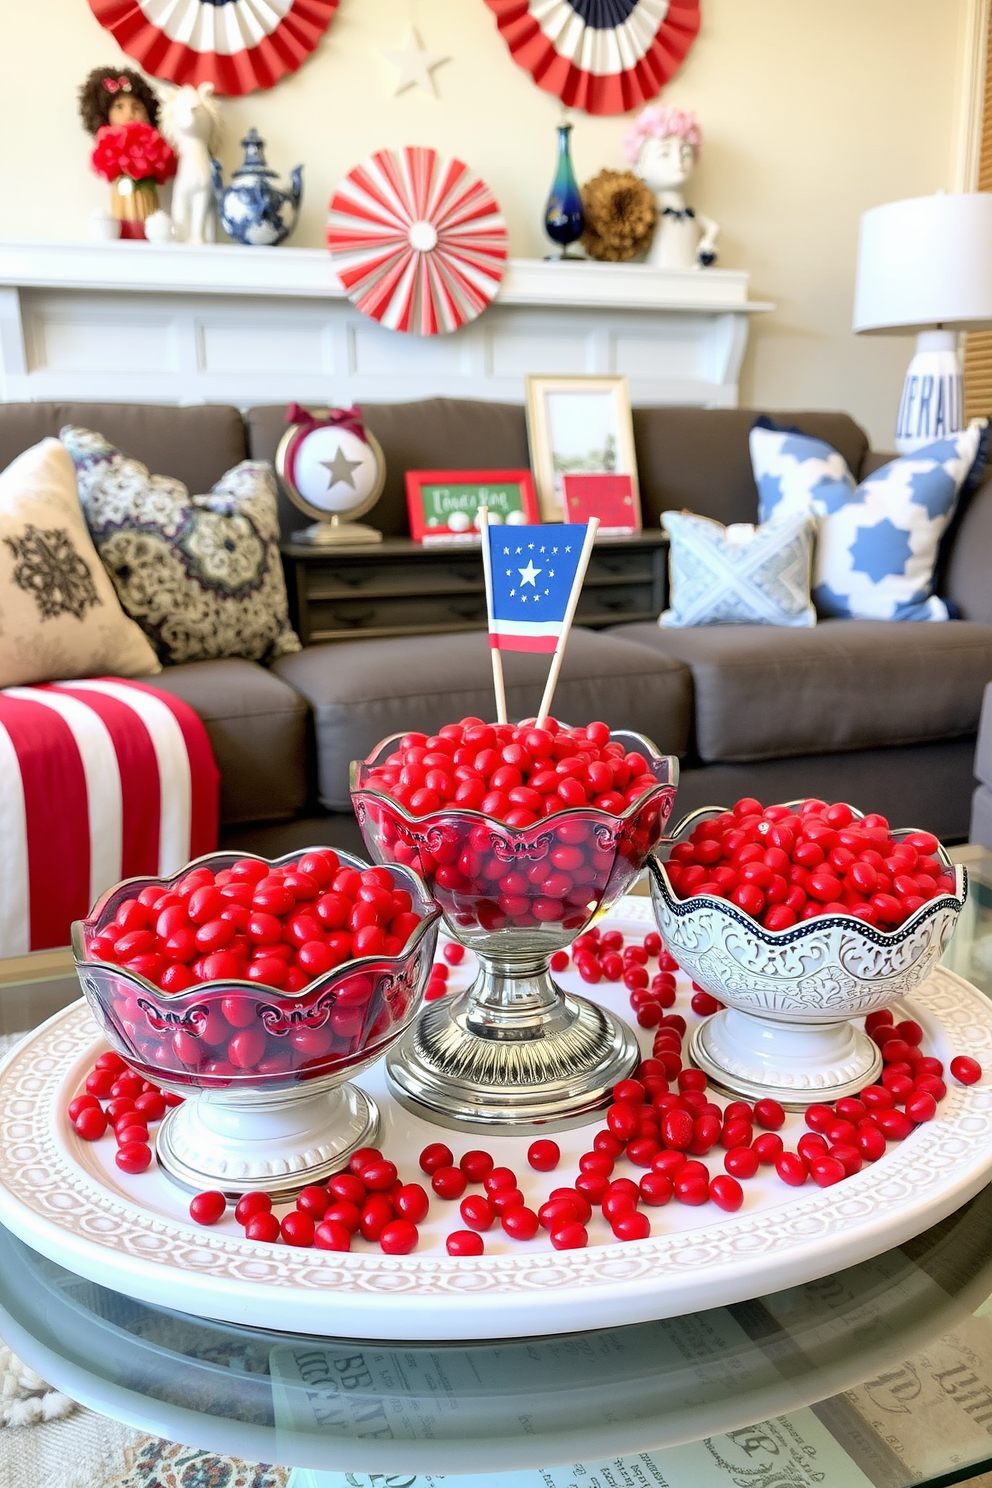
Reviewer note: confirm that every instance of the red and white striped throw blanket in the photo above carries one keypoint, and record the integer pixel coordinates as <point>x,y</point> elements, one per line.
<point>99,780</point>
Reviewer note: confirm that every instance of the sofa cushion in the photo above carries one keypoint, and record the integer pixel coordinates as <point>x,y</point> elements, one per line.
<point>764,692</point>
<point>202,575</point>
<point>196,445</point>
<point>59,616</point>
<point>969,545</point>
<point>877,543</point>
<point>697,459</point>
<point>740,574</point>
<point>983,749</point>
<point>258,727</point>
<point>428,434</point>
<point>363,691</point>
<point>980,829</point>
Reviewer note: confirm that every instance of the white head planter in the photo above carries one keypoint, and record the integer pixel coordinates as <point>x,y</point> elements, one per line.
<point>663,145</point>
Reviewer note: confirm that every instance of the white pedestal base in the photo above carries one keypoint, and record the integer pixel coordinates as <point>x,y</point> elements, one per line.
<point>217,1140</point>
<point>794,1063</point>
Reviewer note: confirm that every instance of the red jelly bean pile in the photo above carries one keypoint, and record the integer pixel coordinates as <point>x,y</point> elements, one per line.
<point>515,773</point>
<point>782,865</point>
<point>282,926</point>
<point>116,1098</point>
<point>519,776</point>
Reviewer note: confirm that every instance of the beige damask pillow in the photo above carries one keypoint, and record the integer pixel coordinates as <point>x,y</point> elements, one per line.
<point>202,575</point>
<point>59,615</point>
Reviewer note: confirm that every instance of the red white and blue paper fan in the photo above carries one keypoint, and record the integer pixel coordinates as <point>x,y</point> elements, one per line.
<point>601,56</point>
<point>417,240</point>
<point>238,45</point>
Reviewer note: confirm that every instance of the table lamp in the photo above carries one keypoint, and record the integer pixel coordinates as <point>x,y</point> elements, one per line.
<point>925,265</point>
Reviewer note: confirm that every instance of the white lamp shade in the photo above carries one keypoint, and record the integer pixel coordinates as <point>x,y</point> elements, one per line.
<point>926,262</point>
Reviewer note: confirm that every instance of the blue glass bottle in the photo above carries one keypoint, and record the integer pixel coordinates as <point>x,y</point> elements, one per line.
<point>563,219</point>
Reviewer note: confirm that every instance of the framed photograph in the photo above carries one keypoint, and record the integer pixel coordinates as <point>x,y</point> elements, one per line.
<point>578,426</point>
<point>444,504</point>
<point>611,498</point>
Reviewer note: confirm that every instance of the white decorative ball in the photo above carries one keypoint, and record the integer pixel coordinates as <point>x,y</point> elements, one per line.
<point>334,470</point>
<point>459,521</point>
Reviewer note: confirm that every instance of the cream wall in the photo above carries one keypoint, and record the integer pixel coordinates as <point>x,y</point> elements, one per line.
<point>811,112</point>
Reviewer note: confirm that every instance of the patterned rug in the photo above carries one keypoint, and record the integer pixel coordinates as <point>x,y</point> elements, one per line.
<point>48,1441</point>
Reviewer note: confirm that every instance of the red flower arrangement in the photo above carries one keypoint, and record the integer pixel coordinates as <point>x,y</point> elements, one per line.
<point>135,150</point>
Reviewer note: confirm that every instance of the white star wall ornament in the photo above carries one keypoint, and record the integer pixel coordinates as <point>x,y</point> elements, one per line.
<point>416,66</point>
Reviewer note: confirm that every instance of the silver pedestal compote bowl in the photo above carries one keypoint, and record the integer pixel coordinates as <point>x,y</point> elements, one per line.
<point>515,1051</point>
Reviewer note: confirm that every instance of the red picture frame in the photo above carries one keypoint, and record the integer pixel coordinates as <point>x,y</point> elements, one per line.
<point>611,498</point>
<point>434,497</point>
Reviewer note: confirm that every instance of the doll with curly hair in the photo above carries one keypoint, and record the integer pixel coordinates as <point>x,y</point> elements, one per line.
<point>120,109</point>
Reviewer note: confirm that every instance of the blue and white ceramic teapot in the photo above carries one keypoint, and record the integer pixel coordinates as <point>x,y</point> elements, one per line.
<point>253,209</point>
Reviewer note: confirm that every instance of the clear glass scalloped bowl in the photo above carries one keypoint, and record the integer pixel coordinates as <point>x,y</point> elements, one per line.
<point>329,1031</point>
<point>830,965</point>
<point>541,883</point>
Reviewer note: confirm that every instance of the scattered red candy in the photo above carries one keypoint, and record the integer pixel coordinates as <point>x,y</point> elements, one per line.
<point>966,1071</point>
<point>544,1155</point>
<point>435,1156</point>
<point>134,1158</point>
<point>399,1237</point>
<point>465,1243</point>
<point>208,1207</point>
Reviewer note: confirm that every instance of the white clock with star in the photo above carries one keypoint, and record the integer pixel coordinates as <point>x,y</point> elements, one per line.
<point>333,469</point>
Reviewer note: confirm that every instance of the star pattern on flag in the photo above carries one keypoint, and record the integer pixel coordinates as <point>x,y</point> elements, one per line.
<point>532,585</point>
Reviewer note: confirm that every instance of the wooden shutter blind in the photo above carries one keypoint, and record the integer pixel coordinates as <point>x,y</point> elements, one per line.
<point>978,344</point>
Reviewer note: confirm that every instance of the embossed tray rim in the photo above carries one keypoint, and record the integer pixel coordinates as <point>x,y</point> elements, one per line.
<point>65,1202</point>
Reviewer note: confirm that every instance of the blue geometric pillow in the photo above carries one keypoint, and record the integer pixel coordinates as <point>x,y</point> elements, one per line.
<point>876,546</point>
<point>738,575</point>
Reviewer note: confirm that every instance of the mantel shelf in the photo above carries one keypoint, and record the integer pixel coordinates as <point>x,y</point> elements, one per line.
<point>307,273</point>
<point>167,322</point>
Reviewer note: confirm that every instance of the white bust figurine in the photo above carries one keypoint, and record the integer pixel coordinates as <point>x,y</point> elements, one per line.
<point>663,145</point>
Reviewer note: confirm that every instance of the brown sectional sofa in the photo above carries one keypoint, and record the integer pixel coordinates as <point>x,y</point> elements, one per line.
<point>883,715</point>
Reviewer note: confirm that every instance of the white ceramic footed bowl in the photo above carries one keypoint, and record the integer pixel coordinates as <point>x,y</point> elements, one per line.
<point>834,966</point>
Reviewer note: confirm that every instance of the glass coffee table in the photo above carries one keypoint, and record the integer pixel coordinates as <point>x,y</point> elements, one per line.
<point>879,1376</point>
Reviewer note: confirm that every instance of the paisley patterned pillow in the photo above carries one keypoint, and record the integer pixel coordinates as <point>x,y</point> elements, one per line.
<point>201,575</point>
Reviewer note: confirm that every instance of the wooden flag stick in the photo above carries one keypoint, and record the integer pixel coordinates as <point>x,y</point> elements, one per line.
<point>566,625</point>
<point>498,686</point>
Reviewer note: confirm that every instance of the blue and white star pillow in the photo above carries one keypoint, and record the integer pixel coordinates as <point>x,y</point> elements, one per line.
<point>877,542</point>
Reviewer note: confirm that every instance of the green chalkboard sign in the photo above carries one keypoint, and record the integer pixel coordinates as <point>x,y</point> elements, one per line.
<point>444,504</point>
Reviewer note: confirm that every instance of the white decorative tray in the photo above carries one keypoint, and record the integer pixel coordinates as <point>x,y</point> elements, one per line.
<point>66,1199</point>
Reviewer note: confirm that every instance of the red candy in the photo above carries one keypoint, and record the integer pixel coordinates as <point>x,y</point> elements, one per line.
<point>781,865</point>
<point>966,1071</point>
<point>272,926</point>
<point>544,1155</point>
<point>464,1243</point>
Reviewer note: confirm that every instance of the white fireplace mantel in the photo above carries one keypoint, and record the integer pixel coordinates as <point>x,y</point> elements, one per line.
<point>176,323</point>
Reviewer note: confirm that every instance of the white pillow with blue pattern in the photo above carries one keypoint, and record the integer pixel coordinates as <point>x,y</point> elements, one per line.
<point>738,575</point>
<point>877,542</point>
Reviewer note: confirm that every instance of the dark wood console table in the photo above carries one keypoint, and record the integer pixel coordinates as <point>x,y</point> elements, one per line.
<point>399,587</point>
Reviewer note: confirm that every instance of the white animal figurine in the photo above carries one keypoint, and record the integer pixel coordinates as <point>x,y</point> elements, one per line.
<point>663,146</point>
<point>190,121</point>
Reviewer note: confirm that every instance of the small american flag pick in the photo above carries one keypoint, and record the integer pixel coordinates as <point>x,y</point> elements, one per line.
<point>533,571</point>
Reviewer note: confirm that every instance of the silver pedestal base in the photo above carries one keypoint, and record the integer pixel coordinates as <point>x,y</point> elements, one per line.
<point>797,1064</point>
<point>514,1053</point>
<point>337,534</point>
<point>279,1143</point>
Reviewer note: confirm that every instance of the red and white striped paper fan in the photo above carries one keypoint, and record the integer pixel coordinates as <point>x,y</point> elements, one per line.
<point>601,56</point>
<point>238,45</point>
<point>417,240</point>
